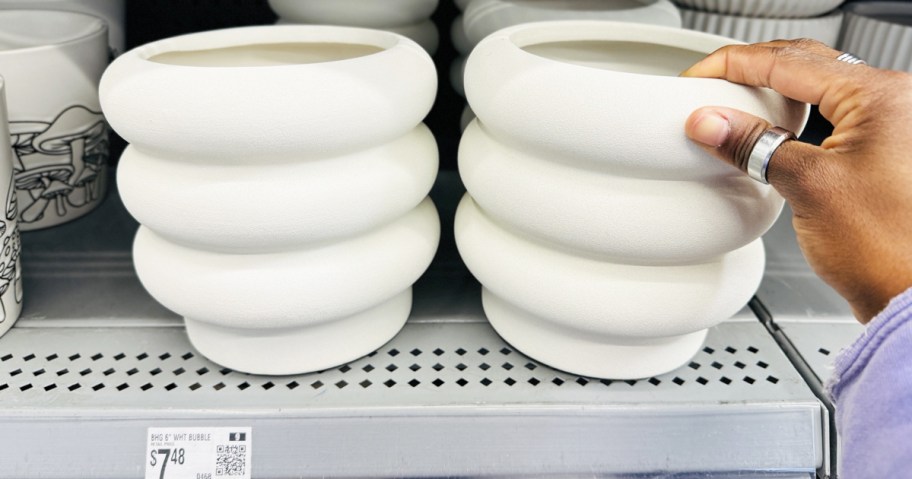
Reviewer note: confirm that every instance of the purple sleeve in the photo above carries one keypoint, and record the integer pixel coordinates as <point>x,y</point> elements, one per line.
<point>872,390</point>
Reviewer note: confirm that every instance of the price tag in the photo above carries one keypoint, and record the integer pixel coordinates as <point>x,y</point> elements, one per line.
<point>198,453</point>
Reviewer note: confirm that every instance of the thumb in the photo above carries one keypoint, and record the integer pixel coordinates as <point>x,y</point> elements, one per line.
<point>730,135</point>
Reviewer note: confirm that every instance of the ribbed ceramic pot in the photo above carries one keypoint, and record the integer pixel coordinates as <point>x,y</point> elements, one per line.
<point>764,8</point>
<point>52,62</point>
<point>484,17</point>
<point>824,28</point>
<point>405,17</point>
<point>111,11</point>
<point>10,262</point>
<point>607,243</point>
<point>287,224</point>
<point>880,33</point>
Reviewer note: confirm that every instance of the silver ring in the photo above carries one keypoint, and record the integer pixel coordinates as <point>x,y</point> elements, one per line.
<point>851,59</point>
<point>763,151</point>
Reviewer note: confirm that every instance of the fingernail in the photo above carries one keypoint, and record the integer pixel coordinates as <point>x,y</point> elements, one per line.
<point>710,128</point>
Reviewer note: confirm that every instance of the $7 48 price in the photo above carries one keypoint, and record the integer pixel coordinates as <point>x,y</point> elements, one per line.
<point>165,455</point>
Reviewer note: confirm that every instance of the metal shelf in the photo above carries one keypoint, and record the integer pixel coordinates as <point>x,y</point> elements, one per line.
<point>94,362</point>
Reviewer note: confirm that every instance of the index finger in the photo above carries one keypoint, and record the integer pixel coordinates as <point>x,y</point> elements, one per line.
<point>801,70</point>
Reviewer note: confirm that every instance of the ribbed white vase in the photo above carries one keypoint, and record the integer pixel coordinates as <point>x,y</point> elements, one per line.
<point>410,18</point>
<point>764,8</point>
<point>280,175</point>
<point>880,33</point>
<point>824,28</point>
<point>606,242</point>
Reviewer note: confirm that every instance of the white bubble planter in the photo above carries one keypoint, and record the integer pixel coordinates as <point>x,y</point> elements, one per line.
<point>405,17</point>
<point>879,32</point>
<point>606,242</point>
<point>286,223</point>
<point>824,28</point>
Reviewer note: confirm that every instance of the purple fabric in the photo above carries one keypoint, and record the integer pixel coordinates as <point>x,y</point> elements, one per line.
<point>872,390</point>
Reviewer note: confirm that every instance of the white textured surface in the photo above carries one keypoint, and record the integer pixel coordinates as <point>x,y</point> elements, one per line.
<point>764,8</point>
<point>589,296</point>
<point>310,347</point>
<point>259,207</point>
<point>596,113</point>
<point>627,220</point>
<point>362,13</point>
<point>752,30</point>
<point>484,17</point>
<point>289,289</point>
<point>241,112</point>
<point>880,33</point>
<point>607,242</point>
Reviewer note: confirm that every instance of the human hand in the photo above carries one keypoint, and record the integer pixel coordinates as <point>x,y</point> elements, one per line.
<point>851,196</point>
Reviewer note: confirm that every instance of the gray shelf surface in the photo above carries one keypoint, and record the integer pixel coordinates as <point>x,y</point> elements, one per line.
<point>94,361</point>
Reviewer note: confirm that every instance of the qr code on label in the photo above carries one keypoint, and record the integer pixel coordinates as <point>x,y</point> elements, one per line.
<point>231,460</point>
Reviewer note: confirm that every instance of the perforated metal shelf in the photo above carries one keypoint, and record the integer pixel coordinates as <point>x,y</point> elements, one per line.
<point>92,365</point>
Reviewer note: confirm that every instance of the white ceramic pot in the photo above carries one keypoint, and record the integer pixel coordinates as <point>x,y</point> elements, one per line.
<point>283,206</point>
<point>409,18</point>
<point>280,174</point>
<point>458,37</point>
<point>484,17</point>
<point>605,241</point>
<point>607,73</point>
<point>269,302</point>
<point>360,13</point>
<point>457,74</point>
<point>764,8</point>
<point>10,262</point>
<point>753,30</point>
<point>461,4</point>
<point>336,70</point>
<point>597,318</point>
<point>52,62</point>
<point>111,11</point>
<point>622,219</point>
<point>880,33</point>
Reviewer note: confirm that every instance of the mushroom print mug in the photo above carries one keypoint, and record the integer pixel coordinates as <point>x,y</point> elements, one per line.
<point>10,264</point>
<point>288,223</point>
<point>52,62</point>
<point>606,243</point>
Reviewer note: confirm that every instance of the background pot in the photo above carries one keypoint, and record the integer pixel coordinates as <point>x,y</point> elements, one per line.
<point>10,242</point>
<point>284,221</point>
<point>824,28</point>
<point>111,11</point>
<point>764,8</point>
<point>606,243</point>
<point>880,33</point>
<point>52,62</point>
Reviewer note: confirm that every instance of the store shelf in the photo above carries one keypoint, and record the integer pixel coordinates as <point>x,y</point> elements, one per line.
<point>94,362</point>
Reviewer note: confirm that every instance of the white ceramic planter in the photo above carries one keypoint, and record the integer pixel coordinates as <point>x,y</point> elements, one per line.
<point>880,33</point>
<point>606,243</point>
<point>597,318</point>
<point>353,288</point>
<point>10,240</point>
<point>286,224</point>
<point>752,30</point>
<point>605,81</point>
<point>111,11</point>
<point>623,219</point>
<point>409,18</point>
<point>764,8</point>
<point>52,62</point>
<point>484,17</point>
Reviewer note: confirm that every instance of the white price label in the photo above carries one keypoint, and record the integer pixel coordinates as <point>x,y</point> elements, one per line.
<point>198,453</point>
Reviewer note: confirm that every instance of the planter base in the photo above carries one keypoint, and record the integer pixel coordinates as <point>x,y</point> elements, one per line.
<point>588,355</point>
<point>311,348</point>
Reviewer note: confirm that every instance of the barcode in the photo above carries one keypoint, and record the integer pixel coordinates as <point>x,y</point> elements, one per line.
<point>231,460</point>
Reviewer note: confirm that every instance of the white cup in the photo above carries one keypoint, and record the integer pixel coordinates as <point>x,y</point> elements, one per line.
<point>10,244</point>
<point>111,11</point>
<point>52,62</point>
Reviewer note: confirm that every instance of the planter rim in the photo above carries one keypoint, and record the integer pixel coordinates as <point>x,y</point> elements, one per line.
<point>879,8</point>
<point>93,27</point>
<point>270,35</point>
<point>520,36</point>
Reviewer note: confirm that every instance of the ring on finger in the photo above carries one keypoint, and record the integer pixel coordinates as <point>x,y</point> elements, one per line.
<point>763,150</point>
<point>851,59</point>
